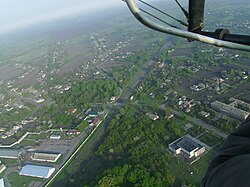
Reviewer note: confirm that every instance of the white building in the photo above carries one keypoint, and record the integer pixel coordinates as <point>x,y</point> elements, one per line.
<point>45,157</point>
<point>37,171</point>
<point>230,110</point>
<point>152,116</point>
<point>2,168</point>
<point>55,137</point>
<point>187,146</point>
<point>2,183</point>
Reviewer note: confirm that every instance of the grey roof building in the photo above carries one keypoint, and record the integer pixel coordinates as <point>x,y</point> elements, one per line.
<point>230,110</point>
<point>9,153</point>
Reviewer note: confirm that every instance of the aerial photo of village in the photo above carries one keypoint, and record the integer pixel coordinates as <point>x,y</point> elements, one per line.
<point>105,101</point>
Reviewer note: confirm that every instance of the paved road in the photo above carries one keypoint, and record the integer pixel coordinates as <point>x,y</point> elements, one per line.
<point>200,123</point>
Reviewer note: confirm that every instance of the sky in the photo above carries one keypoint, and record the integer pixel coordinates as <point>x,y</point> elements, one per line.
<point>16,14</point>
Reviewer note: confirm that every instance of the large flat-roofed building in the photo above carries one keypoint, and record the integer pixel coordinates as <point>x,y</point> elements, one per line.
<point>230,110</point>
<point>37,171</point>
<point>9,153</point>
<point>187,146</point>
<point>45,156</point>
<point>2,183</point>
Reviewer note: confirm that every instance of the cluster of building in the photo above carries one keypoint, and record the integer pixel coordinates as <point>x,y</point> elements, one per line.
<point>40,171</point>
<point>198,87</point>
<point>12,131</point>
<point>32,170</point>
<point>185,104</point>
<point>111,54</point>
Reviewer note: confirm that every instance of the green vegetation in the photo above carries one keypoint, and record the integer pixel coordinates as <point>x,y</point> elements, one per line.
<point>79,72</point>
<point>79,159</point>
<point>211,139</point>
<point>82,126</point>
<point>136,154</point>
<point>9,162</point>
<point>195,131</point>
<point>226,125</point>
<point>20,181</point>
<point>81,94</point>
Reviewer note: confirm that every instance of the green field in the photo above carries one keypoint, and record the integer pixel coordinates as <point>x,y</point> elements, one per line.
<point>21,181</point>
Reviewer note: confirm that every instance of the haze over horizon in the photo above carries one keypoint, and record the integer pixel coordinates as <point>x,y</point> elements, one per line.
<point>16,14</point>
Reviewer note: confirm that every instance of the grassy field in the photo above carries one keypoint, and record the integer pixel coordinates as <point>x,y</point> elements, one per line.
<point>211,139</point>
<point>9,162</point>
<point>20,181</point>
<point>183,170</point>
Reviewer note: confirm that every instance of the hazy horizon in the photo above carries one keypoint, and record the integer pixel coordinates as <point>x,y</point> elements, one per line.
<point>15,14</point>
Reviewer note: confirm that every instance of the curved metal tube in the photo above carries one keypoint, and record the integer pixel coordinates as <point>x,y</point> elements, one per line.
<point>178,32</point>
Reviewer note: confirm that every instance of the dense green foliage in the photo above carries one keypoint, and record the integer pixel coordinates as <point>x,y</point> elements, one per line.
<point>95,91</point>
<point>136,149</point>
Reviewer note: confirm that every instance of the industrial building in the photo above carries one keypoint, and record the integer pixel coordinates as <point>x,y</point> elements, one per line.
<point>188,147</point>
<point>2,183</point>
<point>9,153</point>
<point>45,156</point>
<point>37,171</point>
<point>230,110</point>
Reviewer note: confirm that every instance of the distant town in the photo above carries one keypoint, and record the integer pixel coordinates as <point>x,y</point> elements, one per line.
<point>122,95</point>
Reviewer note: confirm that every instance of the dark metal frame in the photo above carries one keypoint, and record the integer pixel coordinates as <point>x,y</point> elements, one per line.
<point>196,24</point>
<point>195,16</point>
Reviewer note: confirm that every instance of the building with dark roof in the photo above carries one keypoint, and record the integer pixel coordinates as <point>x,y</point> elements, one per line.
<point>187,146</point>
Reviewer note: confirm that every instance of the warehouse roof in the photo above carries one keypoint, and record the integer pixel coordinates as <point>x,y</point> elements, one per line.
<point>8,153</point>
<point>46,157</point>
<point>2,183</point>
<point>37,171</point>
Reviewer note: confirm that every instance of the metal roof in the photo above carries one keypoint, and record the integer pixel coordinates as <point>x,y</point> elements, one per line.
<point>9,153</point>
<point>45,156</point>
<point>37,171</point>
<point>2,183</point>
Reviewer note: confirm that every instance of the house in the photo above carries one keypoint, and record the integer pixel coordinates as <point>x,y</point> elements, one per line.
<point>96,121</point>
<point>92,114</point>
<point>204,114</point>
<point>152,116</point>
<point>73,132</point>
<point>112,98</point>
<point>55,137</point>
<point>72,110</point>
